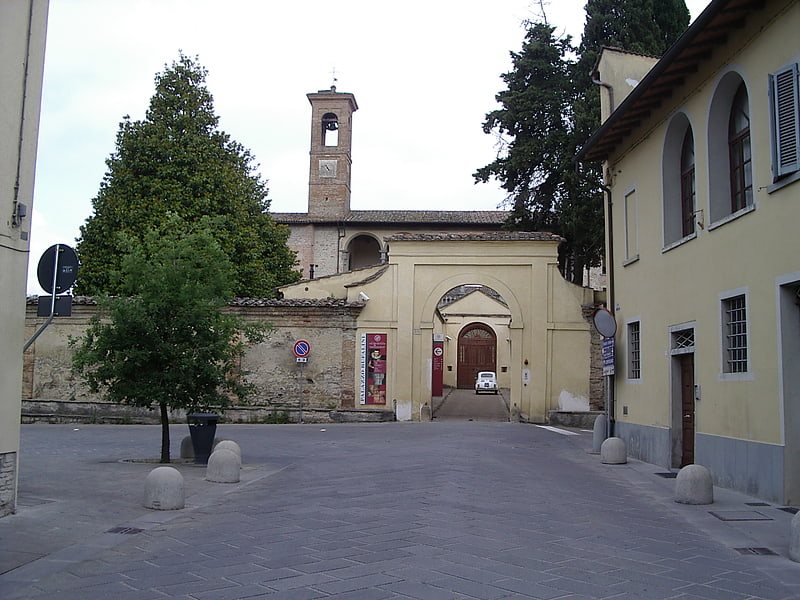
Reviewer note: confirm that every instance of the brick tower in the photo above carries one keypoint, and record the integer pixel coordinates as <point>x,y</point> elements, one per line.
<point>331,142</point>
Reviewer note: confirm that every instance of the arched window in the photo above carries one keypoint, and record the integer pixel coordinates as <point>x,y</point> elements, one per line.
<point>687,184</point>
<point>730,168</point>
<point>679,187</point>
<point>740,156</point>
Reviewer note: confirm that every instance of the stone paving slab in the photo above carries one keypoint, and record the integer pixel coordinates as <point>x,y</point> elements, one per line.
<point>454,509</point>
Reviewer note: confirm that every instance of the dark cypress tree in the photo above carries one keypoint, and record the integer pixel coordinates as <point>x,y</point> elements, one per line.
<point>176,160</point>
<point>550,109</point>
<point>533,128</point>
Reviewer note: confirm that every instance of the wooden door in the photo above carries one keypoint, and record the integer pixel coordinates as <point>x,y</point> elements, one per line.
<point>687,409</point>
<point>477,351</point>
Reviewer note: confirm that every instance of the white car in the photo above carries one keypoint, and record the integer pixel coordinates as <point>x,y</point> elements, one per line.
<point>486,382</point>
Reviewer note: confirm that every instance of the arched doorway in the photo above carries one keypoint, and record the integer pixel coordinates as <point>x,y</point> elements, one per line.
<point>364,251</point>
<point>477,351</point>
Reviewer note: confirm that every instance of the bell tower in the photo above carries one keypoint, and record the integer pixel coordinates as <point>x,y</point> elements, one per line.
<point>331,142</point>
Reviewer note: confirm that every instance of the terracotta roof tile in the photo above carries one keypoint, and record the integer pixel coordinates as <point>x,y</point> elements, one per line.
<point>498,236</point>
<point>423,217</point>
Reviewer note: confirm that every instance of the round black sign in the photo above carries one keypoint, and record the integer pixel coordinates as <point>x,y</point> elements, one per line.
<point>64,273</point>
<point>605,322</point>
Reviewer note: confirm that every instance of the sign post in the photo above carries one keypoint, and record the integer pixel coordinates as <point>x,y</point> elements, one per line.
<point>606,325</point>
<point>57,271</point>
<point>301,351</point>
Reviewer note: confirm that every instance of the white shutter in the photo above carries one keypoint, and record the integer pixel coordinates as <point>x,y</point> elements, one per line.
<point>785,107</point>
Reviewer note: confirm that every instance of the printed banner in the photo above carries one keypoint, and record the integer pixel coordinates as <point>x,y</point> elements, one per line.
<point>373,368</point>
<point>437,368</point>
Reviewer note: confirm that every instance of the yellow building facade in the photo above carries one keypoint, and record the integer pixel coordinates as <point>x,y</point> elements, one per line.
<point>543,336</point>
<point>23,27</point>
<point>701,165</point>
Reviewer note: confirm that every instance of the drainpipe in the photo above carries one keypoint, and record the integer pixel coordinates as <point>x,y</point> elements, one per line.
<point>597,81</point>
<point>19,211</point>
<point>611,306</point>
<point>340,233</point>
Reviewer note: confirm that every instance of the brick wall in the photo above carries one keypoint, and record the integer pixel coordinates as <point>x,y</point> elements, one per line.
<point>328,379</point>
<point>597,394</point>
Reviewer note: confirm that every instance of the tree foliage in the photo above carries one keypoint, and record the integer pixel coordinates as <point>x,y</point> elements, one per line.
<point>550,108</point>
<point>177,160</point>
<point>166,342</point>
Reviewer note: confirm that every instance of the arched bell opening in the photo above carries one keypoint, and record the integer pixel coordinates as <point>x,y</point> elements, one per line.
<point>330,130</point>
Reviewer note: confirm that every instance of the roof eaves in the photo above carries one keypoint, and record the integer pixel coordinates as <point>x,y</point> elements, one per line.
<point>661,68</point>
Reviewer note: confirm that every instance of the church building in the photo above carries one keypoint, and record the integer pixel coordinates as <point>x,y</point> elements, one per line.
<point>331,238</point>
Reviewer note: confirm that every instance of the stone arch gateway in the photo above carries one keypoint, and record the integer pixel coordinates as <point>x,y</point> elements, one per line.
<point>547,343</point>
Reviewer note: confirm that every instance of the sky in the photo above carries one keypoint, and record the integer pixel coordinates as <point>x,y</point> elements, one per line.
<point>424,74</point>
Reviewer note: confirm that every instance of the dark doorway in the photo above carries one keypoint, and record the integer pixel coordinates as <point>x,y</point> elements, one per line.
<point>365,251</point>
<point>686,363</point>
<point>477,351</point>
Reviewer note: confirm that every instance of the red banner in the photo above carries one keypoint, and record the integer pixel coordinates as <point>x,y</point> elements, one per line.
<point>376,368</point>
<point>437,368</point>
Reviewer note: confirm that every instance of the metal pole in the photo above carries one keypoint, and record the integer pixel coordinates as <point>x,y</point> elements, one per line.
<point>52,302</point>
<point>300,415</point>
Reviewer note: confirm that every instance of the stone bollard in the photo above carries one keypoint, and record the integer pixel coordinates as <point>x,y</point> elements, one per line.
<point>693,485</point>
<point>229,445</point>
<point>187,449</point>
<point>613,452</point>
<point>515,414</point>
<point>164,489</point>
<point>425,412</point>
<point>598,433</point>
<point>223,466</point>
<point>794,538</point>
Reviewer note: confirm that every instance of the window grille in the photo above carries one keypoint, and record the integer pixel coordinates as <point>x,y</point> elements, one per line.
<point>634,351</point>
<point>683,340</point>
<point>735,334</point>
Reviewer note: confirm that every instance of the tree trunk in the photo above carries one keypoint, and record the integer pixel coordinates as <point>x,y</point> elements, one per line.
<point>164,433</point>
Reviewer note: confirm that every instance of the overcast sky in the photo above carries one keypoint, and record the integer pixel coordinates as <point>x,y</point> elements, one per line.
<point>424,74</point>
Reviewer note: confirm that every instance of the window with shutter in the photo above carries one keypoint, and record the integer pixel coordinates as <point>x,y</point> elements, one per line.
<point>785,107</point>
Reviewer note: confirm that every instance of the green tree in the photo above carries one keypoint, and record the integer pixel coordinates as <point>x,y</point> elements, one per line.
<point>166,342</point>
<point>551,107</point>
<point>535,126</point>
<point>177,160</point>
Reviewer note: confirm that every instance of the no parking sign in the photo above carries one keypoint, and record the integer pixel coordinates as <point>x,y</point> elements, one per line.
<point>301,350</point>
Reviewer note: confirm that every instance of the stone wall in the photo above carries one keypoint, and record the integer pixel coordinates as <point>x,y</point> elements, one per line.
<point>51,392</point>
<point>8,481</point>
<point>597,390</point>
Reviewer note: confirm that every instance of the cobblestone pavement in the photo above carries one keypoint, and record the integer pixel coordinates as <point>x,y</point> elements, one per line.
<point>467,405</point>
<point>446,510</point>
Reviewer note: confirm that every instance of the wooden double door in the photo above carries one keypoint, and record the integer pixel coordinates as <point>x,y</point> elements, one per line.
<point>477,351</point>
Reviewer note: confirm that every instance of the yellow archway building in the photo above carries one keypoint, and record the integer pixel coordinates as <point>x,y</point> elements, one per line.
<point>547,346</point>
